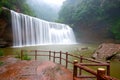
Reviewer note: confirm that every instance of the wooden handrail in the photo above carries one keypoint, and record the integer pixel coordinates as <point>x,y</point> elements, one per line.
<point>94,64</point>
<point>53,52</point>
<point>86,69</point>
<point>73,56</point>
<point>81,65</point>
<point>100,74</point>
<point>92,60</point>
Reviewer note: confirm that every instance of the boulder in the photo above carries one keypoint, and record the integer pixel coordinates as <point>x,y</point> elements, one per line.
<point>107,51</point>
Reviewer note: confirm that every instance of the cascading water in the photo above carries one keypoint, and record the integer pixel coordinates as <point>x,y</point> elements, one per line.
<point>30,31</point>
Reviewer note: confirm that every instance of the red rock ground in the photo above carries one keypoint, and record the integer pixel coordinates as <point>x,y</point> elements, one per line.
<point>14,69</point>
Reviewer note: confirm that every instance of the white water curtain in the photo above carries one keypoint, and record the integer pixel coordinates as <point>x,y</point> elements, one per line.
<point>30,31</point>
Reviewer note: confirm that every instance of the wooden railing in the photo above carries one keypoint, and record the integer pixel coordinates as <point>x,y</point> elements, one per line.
<point>52,56</point>
<point>100,74</point>
<point>79,63</point>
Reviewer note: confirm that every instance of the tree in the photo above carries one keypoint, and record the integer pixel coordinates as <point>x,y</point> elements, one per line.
<point>92,16</point>
<point>17,5</point>
<point>115,29</point>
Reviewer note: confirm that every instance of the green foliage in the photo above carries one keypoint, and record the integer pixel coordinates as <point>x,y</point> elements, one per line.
<point>116,29</point>
<point>1,52</point>
<point>17,5</point>
<point>94,14</point>
<point>83,10</point>
<point>26,57</point>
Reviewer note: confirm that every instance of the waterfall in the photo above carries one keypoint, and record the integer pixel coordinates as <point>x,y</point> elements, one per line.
<point>31,31</point>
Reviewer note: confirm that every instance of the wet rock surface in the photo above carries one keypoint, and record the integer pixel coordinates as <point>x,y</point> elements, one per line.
<point>14,69</point>
<point>107,51</point>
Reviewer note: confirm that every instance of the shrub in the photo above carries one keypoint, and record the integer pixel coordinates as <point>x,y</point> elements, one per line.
<point>26,57</point>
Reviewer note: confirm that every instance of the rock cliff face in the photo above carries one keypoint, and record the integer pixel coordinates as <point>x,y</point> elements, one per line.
<point>5,28</point>
<point>107,51</point>
<point>3,25</point>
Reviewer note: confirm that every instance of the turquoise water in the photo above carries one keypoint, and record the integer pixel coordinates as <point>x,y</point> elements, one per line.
<point>73,49</point>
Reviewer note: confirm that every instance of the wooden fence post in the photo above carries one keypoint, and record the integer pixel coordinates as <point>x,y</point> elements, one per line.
<point>60,56</point>
<point>66,59</point>
<point>21,54</point>
<point>54,57</point>
<point>35,54</point>
<point>75,70</point>
<point>100,73</point>
<point>49,55</point>
<point>81,58</point>
<point>108,68</point>
<point>80,70</point>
